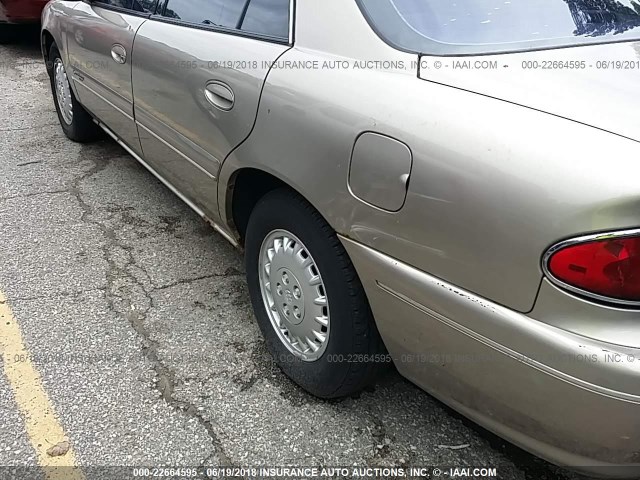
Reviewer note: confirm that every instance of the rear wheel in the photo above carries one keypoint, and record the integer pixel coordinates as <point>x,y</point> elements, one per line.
<point>308,299</point>
<point>75,121</point>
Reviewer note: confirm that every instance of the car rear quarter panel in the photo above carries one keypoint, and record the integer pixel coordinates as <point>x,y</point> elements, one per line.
<point>493,184</point>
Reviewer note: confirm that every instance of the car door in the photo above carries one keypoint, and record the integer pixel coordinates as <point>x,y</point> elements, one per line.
<point>198,71</point>
<point>100,44</point>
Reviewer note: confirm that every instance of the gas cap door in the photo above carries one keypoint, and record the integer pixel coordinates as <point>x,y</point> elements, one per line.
<point>379,171</point>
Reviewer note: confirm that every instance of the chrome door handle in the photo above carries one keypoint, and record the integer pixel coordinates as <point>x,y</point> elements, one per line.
<point>219,95</point>
<point>119,54</point>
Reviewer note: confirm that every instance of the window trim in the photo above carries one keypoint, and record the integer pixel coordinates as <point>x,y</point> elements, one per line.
<point>293,10</point>
<point>243,15</point>
<point>107,6</point>
<point>159,16</point>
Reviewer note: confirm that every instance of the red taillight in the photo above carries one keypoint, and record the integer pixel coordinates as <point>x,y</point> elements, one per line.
<point>608,267</point>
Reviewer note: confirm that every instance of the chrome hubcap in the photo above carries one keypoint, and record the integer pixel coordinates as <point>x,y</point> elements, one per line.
<point>294,295</point>
<point>63,91</point>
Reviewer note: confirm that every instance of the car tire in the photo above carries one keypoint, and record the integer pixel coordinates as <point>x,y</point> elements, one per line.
<point>76,122</point>
<point>352,353</point>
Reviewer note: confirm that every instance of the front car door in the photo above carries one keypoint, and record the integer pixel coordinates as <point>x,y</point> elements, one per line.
<point>198,72</point>
<point>100,44</point>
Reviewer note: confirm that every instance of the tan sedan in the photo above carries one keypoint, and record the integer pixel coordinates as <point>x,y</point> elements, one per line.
<point>450,186</point>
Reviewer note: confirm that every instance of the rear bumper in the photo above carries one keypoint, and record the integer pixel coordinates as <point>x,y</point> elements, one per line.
<point>566,398</point>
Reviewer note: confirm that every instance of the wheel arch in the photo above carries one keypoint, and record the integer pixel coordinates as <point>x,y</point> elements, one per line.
<point>241,192</point>
<point>46,41</point>
<point>54,30</point>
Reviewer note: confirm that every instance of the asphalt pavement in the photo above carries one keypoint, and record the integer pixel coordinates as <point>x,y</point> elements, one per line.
<point>136,316</point>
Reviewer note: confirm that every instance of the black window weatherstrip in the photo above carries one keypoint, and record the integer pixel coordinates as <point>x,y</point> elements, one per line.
<point>126,11</point>
<point>219,29</point>
<point>161,7</point>
<point>293,8</point>
<point>244,14</point>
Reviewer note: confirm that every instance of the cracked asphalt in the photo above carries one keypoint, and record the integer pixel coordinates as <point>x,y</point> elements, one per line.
<point>137,316</point>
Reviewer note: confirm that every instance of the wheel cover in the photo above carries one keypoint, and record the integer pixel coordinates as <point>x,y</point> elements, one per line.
<point>63,91</point>
<point>294,295</point>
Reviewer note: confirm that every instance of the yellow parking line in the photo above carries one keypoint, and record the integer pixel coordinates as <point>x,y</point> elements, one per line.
<point>41,421</point>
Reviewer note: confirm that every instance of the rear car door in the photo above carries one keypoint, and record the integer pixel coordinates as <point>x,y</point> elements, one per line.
<point>198,71</point>
<point>100,45</point>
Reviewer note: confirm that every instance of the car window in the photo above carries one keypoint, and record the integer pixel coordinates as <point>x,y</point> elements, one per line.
<point>147,5</point>
<point>142,6</point>
<point>220,13</point>
<point>485,26</point>
<point>267,17</point>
